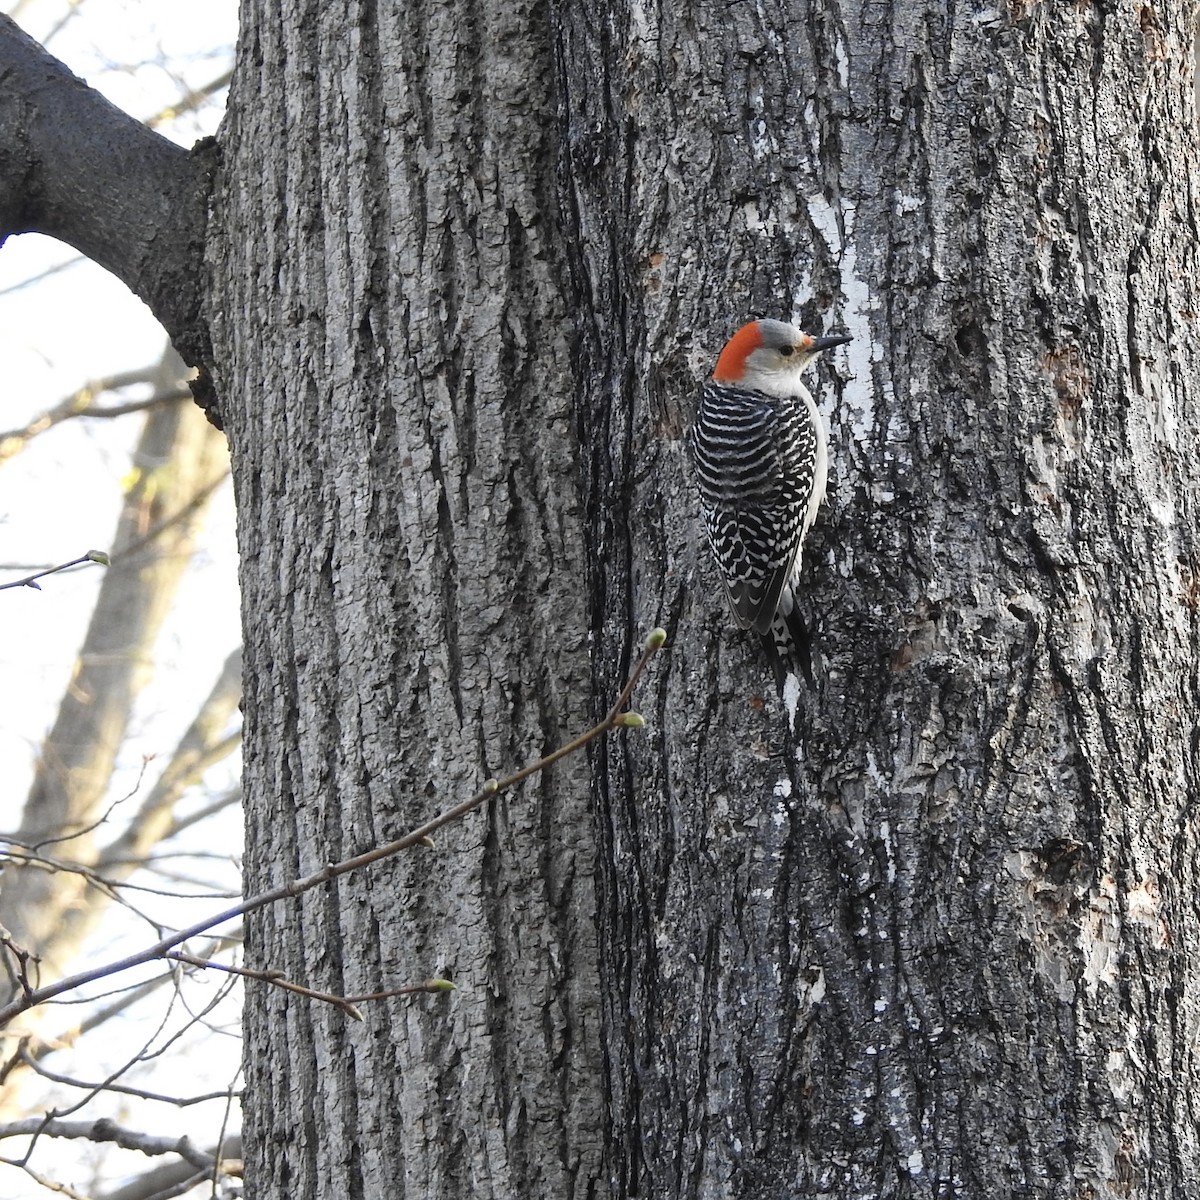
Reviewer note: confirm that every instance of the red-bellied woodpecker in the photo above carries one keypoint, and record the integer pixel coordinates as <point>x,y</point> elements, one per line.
<point>761,456</point>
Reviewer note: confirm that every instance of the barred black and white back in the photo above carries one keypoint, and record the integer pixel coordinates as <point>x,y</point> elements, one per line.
<point>761,463</point>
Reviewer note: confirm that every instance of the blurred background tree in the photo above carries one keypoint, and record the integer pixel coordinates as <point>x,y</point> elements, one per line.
<point>118,718</point>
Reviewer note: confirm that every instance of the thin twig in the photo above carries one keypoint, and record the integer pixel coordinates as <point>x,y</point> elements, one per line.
<point>31,581</point>
<point>110,1085</point>
<point>23,958</point>
<point>82,404</point>
<point>273,977</point>
<point>346,1003</point>
<point>219,1161</point>
<point>616,718</point>
<point>51,1185</point>
<point>84,830</point>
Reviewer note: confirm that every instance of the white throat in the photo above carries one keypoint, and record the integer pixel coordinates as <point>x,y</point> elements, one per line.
<point>776,382</point>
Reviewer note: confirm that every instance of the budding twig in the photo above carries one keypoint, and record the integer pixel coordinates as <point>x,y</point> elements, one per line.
<point>31,581</point>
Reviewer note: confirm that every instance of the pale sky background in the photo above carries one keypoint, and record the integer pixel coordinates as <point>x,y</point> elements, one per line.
<point>59,499</point>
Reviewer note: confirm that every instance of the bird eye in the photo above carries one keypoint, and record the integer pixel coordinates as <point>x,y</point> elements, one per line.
<point>787,351</point>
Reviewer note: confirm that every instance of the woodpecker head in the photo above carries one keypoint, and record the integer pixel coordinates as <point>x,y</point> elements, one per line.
<point>770,356</point>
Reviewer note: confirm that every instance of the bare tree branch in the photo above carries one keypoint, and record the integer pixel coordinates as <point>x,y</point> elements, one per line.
<point>82,404</point>
<point>345,1003</point>
<point>147,1053</point>
<point>103,889</point>
<point>20,956</point>
<point>141,215</point>
<point>173,1179</point>
<point>178,459</point>
<point>274,978</point>
<point>105,1130</point>
<point>111,1085</point>
<point>39,1049</point>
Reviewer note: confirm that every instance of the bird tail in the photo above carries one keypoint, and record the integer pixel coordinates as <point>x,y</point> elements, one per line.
<point>788,643</point>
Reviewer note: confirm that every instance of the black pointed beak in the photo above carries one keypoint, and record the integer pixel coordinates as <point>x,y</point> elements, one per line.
<point>828,343</point>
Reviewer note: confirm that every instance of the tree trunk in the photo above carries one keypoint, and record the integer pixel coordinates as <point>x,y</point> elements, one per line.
<point>931,933</point>
<point>393,361</point>
<point>937,937</point>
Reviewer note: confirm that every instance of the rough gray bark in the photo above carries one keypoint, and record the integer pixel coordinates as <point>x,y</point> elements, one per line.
<point>393,358</point>
<point>940,939</point>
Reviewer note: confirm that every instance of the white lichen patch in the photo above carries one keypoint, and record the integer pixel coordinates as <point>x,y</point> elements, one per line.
<point>1143,907</point>
<point>791,698</point>
<point>1100,937</point>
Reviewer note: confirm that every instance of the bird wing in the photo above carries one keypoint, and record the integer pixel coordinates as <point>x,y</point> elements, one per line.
<point>755,502</point>
<point>754,574</point>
